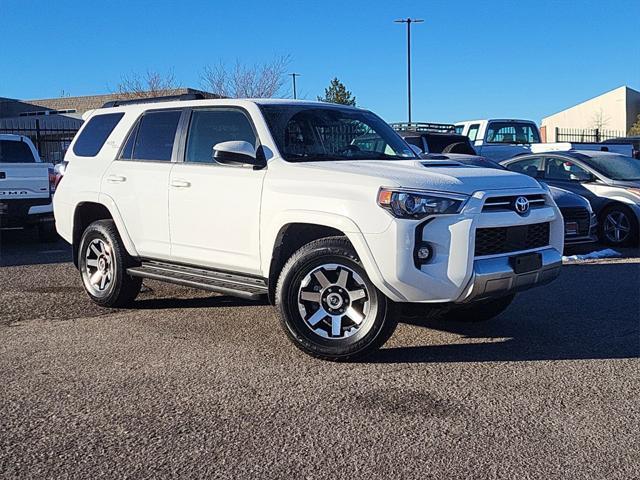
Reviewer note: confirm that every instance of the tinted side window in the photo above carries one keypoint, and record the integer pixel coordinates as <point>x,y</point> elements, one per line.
<point>15,152</point>
<point>156,133</point>
<point>473,132</point>
<point>95,133</point>
<point>127,151</point>
<point>209,127</point>
<point>530,166</point>
<point>560,169</point>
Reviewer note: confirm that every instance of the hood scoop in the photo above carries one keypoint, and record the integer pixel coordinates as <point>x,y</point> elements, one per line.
<point>431,163</point>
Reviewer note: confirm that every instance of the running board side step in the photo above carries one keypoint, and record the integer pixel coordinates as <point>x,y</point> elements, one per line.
<point>235,284</point>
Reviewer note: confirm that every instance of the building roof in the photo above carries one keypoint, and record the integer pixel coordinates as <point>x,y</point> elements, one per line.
<point>10,107</point>
<point>623,88</point>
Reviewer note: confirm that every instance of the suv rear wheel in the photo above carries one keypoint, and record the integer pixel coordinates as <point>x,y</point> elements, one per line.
<point>328,306</point>
<point>103,263</point>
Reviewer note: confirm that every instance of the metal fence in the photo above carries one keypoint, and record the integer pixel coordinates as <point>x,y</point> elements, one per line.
<point>50,141</point>
<point>580,135</point>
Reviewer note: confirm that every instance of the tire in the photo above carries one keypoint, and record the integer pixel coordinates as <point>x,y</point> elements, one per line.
<point>47,232</point>
<point>103,263</point>
<point>325,280</point>
<point>618,226</point>
<point>479,311</point>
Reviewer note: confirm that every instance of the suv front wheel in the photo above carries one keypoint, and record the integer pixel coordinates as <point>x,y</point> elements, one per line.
<point>328,306</point>
<point>103,263</point>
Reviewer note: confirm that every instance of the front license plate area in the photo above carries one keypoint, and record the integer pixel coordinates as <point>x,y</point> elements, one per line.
<point>571,228</point>
<point>527,262</point>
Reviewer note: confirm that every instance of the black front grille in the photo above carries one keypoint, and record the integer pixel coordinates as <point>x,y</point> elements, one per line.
<point>507,202</point>
<point>493,241</point>
<point>579,215</point>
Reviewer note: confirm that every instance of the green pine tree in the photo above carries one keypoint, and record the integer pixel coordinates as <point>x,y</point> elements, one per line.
<point>338,93</point>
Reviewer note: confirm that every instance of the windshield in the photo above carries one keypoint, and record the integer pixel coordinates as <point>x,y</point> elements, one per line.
<point>306,133</point>
<point>15,152</point>
<point>615,167</point>
<point>512,132</point>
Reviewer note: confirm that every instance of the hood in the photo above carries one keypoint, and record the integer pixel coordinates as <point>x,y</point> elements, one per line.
<point>626,183</point>
<point>444,175</point>
<point>565,198</point>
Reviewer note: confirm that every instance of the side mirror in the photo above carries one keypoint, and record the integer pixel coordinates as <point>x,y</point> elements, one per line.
<point>236,152</point>
<point>581,176</point>
<point>417,150</point>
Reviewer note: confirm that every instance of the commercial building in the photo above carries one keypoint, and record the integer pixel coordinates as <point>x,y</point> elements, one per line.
<point>608,115</point>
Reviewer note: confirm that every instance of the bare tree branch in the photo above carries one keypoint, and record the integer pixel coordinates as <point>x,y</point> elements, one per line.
<point>247,81</point>
<point>600,119</point>
<point>149,84</point>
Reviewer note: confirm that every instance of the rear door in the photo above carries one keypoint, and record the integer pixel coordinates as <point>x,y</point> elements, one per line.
<point>137,181</point>
<point>214,208</point>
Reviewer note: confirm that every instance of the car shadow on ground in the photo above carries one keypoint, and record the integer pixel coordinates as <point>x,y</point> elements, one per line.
<point>22,247</point>
<point>213,301</point>
<point>592,313</point>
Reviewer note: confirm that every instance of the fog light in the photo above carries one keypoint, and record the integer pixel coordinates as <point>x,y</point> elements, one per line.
<point>423,253</point>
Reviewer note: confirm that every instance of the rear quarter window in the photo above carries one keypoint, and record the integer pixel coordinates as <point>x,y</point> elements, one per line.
<point>95,133</point>
<point>15,152</point>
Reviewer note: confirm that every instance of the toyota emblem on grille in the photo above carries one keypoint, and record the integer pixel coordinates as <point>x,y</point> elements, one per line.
<point>521,205</point>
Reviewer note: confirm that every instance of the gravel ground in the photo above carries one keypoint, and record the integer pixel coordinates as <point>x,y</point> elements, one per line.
<point>192,385</point>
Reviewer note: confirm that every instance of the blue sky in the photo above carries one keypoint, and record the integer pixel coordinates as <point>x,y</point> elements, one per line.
<point>471,59</point>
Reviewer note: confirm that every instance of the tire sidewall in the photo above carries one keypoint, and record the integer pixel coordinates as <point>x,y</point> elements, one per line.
<point>295,326</point>
<point>95,231</point>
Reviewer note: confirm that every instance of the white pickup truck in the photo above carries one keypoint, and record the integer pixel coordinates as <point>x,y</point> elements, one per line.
<point>322,208</point>
<point>501,139</point>
<point>26,187</point>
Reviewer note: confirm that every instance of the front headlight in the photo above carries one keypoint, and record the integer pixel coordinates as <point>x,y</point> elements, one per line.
<point>416,204</point>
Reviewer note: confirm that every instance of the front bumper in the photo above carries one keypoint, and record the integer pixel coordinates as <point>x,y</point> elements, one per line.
<point>454,273</point>
<point>494,277</point>
<point>586,237</point>
<point>568,241</point>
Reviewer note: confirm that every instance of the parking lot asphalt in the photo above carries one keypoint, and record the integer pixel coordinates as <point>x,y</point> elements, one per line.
<point>190,384</point>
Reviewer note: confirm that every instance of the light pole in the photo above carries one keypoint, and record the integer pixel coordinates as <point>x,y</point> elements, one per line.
<point>293,77</point>
<point>409,21</point>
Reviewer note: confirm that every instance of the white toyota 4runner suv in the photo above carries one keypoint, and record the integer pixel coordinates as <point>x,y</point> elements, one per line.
<point>286,199</point>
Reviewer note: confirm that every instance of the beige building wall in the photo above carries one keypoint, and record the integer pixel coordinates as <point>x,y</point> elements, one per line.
<point>613,110</point>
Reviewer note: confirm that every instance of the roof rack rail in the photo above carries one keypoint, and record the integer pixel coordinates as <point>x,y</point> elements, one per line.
<point>166,98</point>
<point>423,127</point>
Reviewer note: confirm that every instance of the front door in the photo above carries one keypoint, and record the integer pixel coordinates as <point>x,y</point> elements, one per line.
<point>564,173</point>
<point>138,180</point>
<point>214,208</point>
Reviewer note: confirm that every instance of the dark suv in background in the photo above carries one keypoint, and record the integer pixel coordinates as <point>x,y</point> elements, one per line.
<point>434,137</point>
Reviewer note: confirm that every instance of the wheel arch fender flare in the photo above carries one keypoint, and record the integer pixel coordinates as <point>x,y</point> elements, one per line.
<point>281,221</point>
<point>624,201</point>
<point>110,205</point>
